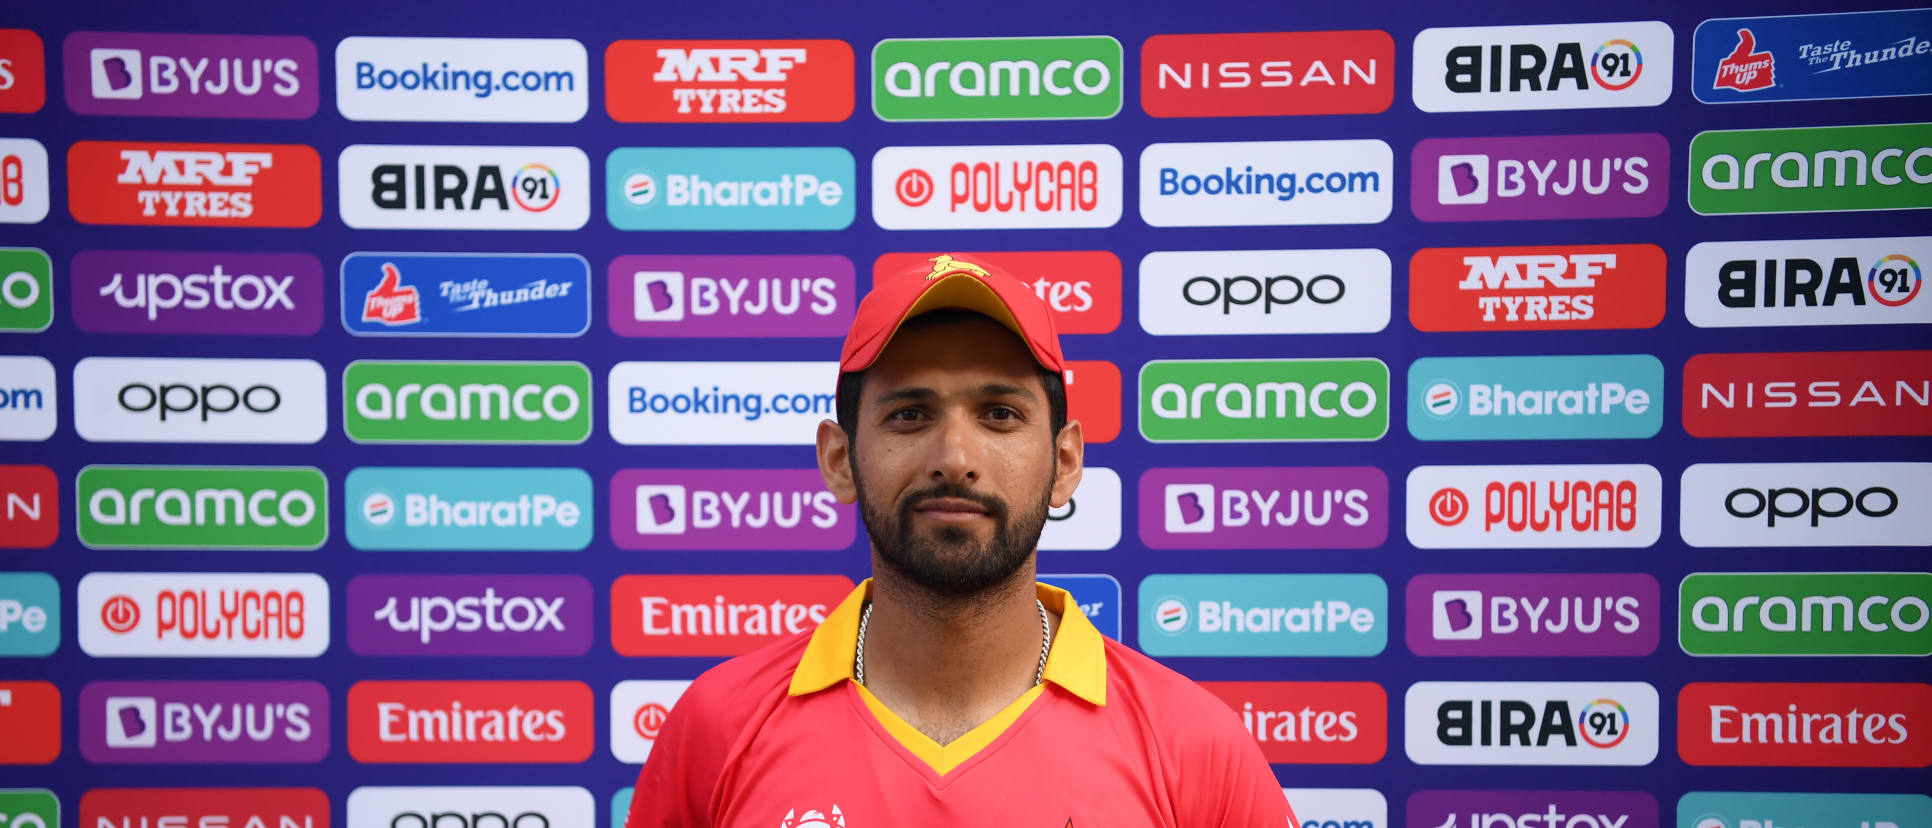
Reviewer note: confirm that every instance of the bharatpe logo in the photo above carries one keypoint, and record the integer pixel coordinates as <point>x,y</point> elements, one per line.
<point>1534,809</point>
<point>26,201</point>
<point>190,75</point>
<point>1808,282</point>
<point>203,614</point>
<point>474,294</point>
<point>498,806</point>
<point>1701,809</point>
<point>1812,169</point>
<point>638,711</point>
<point>26,288</point>
<point>468,507</point>
<point>728,81</point>
<point>1544,615</point>
<point>1565,66</point>
<point>29,398</point>
<point>1314,723</point>
<point>1267,73</point>
<point>1804,724</point>
<point>169,292</point>
<point>729,188</point>
<point>194,185</point>
<point>466,402</point>
<point>1264,508</point>
<point>204,721</point>
<point>728,509</point>
<point>996,78</point>
<point>1803,57</point>
<point>987,187</point>
<point>469,615</point>
<point>719,403</point>
<point>1263,615</point>
<point>470,79</point>
<point>1271,400</point>
<point>1558,287</point>
<point>1540,177</point>
<point>1230,292</point>
<point>396,187</point>
<point>171,400</point>
<point>436,722</point>
<point>1244,183</point>
<point>716,615</point>
<point>1534,507</point>
<point>1809,394</point>
<point>731,296</point>
<point>1806,504</point>
<point>1805,614</point>
<point>1609,397</point>
<point>201,507</point>
<point>1531,723</point>
<point>30,615</point>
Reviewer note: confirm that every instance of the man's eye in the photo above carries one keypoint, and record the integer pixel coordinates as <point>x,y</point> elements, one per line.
<point>1004,413</point>
<point>904,415</point>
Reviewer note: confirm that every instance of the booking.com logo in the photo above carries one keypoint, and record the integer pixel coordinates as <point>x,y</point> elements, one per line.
<point>719,403</point>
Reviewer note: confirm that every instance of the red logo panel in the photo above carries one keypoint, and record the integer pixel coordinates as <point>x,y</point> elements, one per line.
<point>1311,722</point>
<point>470,721</point>
<point>1557,287</point>
<point>1805,725</point>
<point>29,507</point>
<point>23,71</point>
<point>1267,73</point>
<point>1817,394</point>
<point>1093,398</point>
<point>728,81</point>
<point>194,185</point>
<point>239,807</point>
<point>1081,287</point>
<point>30,719</point>
<point>717,615</point>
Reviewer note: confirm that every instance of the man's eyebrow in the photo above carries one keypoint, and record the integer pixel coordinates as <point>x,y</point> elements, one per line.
<point>991,389</point>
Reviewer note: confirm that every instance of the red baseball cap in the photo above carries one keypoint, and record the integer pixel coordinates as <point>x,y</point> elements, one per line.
<point>950,281</point>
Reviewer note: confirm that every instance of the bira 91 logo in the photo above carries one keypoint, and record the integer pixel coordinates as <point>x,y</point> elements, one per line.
<point>171,292</point>
<point>473,294</point>
<point>728,509</point>
<point>194,185</point>
<point>201,507</point>
<point>1814,394</point>
<point>23,181</point>
<point>1803,57</point>
<point>30,714</point>
<point>1311,722</point>
<point>23,72</point>
<point>1264,508</point>
<point>1267,73</point>
<point>169,400</point>
<point>203,614</point>
<point>716,615</point>
<point>472,79</point>
<point>1806,504</point>
<point>29,507</point>
<point>1540,177</point>
<point>996,187</point>
<point>1532,809</point>
<point>470,722</point>
<point>469,615</point>
<point>638,710</point>
<point>720,403</point>
<point>191,75</point>
<point>1805,725</point>
<point>1081,288</point>
<point>466,402</point>
<point>728,81</point>
<point>468,507</point>
<point>206,807</point>
<point>1544,288</point>
<point>996,78</point>
<point>1534,507</point>
<point>1808,282</point>
<point>1811,169</point>
<point>29,614</point>
<point>730,188</point>
<point>1264,615</point>
<point>29,401</point>
<point>1564,66</point>
<point>1531,723</point>
<point>475,807</point>
<point>29,808</point>
<point>26,289</point>
<point>1594,397</point>
<point>731,296</point>
<point>1270,400</point>
<point>204,721</point>
<point>1238,292</point>
<point>396,187</point>
<point>1805,614</point>
<point>1248,183</point>
<point>1545,615</point>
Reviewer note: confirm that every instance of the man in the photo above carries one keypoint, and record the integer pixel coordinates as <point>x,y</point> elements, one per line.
<point>950,688</point>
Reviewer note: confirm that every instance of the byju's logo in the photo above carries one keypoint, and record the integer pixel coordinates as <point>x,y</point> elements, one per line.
<point>1801,57</point>
<point>29,405</point>
<point>1808,282</point>
<point>638,710</point>
<point>1091,518</point>
<point>1267,73</point>
<point>470,722</point>
<point>1242,183</point>
<point>26,287</point>
<point>1224,400</point>
<point>203,614</point>
<point>1613,397</point>
<point>1540,177</point>
<point>474,294</point>
<point>1806,504</point>
<point>1264,508</point>
<point>1811,169</point>
<point>29,614</point>
<point>469,615</point>
<point>1807,725</point>
<point>166,400</point>
<point>201,507</point>
<point>1311,722</point>
<point>190,75</point>
<point>1007,186</point>
<point>731,296</point>
<point>466,402</point>
<point>261,807</point>
<point>472,79</point>
<point>1567,287</point>
<point>393,187</point>
<point>1822,393</point>
<point>996,78</point>
<point>468,508</point>
<point>1543,615</point>
<point>1534,507</point>
<point>728,509</point>
<point>1531,723</point>
<point>194,185</point>
<point>1263,615</point>
<point>730,188</point>
<point>1081,288</point>
<point>29,507</point>
<point>169,292</point>
<point>24,198</point>
<point>1213,292</point>
<point>529,807</point>
<point>1805,613</point>
<point>204,721</point>
<point>719,403</point>
<point>716,615</point>
<point>1098,597</point>
<point>1532,809</point>
<point>728,81</point>
<point>1564,66</point>
<point>23,71</point>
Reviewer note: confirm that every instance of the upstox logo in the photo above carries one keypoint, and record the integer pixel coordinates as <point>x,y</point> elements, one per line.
<point>1812,169</point>
<point>730,188</point>
<point>201,507</point>
<point>996,78</point>
<point>468,508</point>
<point>1536,397</point>
<point>1805,614</point>
<point>1263,615</point>
<point>466,402</point>
<point>1265,400</point>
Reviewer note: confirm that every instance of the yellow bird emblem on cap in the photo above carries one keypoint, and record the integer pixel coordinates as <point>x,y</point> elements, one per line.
<point>944,263</point>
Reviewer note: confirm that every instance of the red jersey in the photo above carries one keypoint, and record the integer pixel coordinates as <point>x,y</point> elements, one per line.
<point>784,736</point>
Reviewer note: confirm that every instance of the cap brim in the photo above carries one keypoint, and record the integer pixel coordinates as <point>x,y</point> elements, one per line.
<point>957,289</point>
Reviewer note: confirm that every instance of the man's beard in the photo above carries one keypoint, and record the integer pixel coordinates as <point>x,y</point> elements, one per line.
<point>948,560</point>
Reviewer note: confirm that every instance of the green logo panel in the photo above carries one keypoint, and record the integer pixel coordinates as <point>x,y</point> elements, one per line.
<point>1821,169</point>
<point>29,808</point>
<point>202,507</point>
<point>1263,400</point>
<point>996,78</point>
<point>1805,613</point>
<point>26,290</point>
<point>466,402</point>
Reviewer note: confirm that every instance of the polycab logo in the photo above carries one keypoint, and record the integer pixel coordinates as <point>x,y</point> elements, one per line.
<point>1265,400</point>
<point>1267,73</point>
<point>996,78</point>
<point>1811,169</point>
<point>1311,722</point>
<point>26,286</point>
<point>381,807</point>
<point>1263,615</point>
<point>204,721</point>
<point>397,187</point>
<point>728,81</point>
<point>29,614</point>
<point>1542,615</point>
<point>1091,518</point>
<point>1264,508</point>
<point>23,181</point>
<point>728,509</point>
<point>1081,288</point>
<point>1531,723</point>
<point>1808,282</point>
<point>190,75</point>
<point>730,188</point>
<point>996,187</point>
<point>1602,397</point>
<point>1804,613</point>
<point>194,185</point>
<point>732,296</point>
<point>470,722</point>
<point>716,615</point>
<point>208,807</point>
<point>23,71</point>
<point>1540,177</point>
<point>1233,292</point>
<point>471,79</point>
<point>1248,183</point>
<point>1339,807</point>
<point>1802,57</point>
<point>1564,66</point>
<point>201,507</point>
<point>30,716</point>
<point>1535,507</point>
<point>720,403</point>
<point>466,402</point>
<point>469,615</point>
<point>468,507</point>
<point>1532,809</point>
<point>170,292</point>
<point>168,400</point>
<point>1815,394</point>
<point>1806,725</point>
<point>1098,597</point>
<point>1546,288</point>
<point>1806,504</point>
<point>29,405</point>
<point>475,294</point>
<point>203,614</point>
<point>29,507</point>
<point>638,710</point>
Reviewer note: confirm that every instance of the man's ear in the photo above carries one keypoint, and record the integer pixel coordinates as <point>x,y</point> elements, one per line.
<point>835,461</point>
<point>1069,454</point>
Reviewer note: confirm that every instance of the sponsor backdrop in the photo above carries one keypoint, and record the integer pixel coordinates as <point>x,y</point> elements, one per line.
<point>1519,416</point>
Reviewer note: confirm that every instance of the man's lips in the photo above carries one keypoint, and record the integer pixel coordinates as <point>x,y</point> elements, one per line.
<point>949,509</point>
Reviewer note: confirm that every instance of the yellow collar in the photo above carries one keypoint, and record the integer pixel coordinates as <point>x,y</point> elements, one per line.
<point>1076,662</point>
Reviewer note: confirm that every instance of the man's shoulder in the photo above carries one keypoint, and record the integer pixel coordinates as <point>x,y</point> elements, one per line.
<point>733,691</point>
<point>1183,712</point>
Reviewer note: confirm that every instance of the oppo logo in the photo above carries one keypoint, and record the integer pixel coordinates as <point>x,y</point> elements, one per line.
<point>219,398</point>
<point>1284,290</point>
<point>1792,502</point>
<point>165,400</point>
<point>463,806</point>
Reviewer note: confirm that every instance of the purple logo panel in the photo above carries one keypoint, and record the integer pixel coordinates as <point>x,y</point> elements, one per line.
<point>1550,614</point>
<point>191,75</point>
<point>172,292</point>
<point>735,296</point>
<point>728,509</point>
<point>204,721</point>
<point>1542,177</point>
<point>1575,809</point>
<point>1314,507</point>
<point>469,615</point>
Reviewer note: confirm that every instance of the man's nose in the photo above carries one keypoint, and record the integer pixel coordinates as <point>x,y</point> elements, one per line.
<point>952,458</point>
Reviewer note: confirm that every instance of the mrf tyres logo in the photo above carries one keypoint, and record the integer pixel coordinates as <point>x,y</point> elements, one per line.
<point>996,78</point>
<point>1272,400</point>
<point>468,508</point>
<point>731,296</point>
<point>172,400</point>
<point>730,188</point>
<point>716,615</point>
<point>194,185</point>
<point>1264,615</point>
<point>1615,397</point>
<point>472,79</point>
<point>1805,614</point>
<point>1806,504</point>
<point>1808,282</point>
<point>1540,177</point>
<point>201,507</point>
<point>1805,724</point>
<point>396,187</point>
<point>203,614</point>
<point>1313,722</point>
<point>1267,73</point>
<point>466,402</point>
<point>719,403</point>
<point>204,721</point>
<point>728,509</point>
<point>1812,169</point>
<point>1814,394</point>
<point>1545,288</point>
<point>1264,508</point>
<point>1235,292</point>
<point>1246,183</point>
<point>987,187</point>
<point>1531,723</point>
<point>1801,57</point>
<point>728,81</point>
<point>191,75</point>
<point>1565,66</point>
<point>1541,615</point>
<point>469,615</point>
<point>1534,507</point>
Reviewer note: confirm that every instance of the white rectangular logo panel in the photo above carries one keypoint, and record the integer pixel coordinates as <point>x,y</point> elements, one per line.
<point>1808,282</point>
<point>203,614</point>
<point>471,79</point>
<point>29,398</point>
<point>720,403</point>
<point>1091,520</point>
<point>170,400</point>
<point>638,710</point>
<point>476,807</point>
<point>1217,292</point>
<point>399,187</point>
<point>23,181</point>
<point>1806,504</point>
<point>996,187</point>
<point>1534,507</point>
<point>1531,723</point>
<point>1339,807</point>
<point>1563,66</point>
<point>1249,183</point>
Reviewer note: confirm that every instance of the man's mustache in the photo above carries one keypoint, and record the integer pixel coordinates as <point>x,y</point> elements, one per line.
<point>995,507</point>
